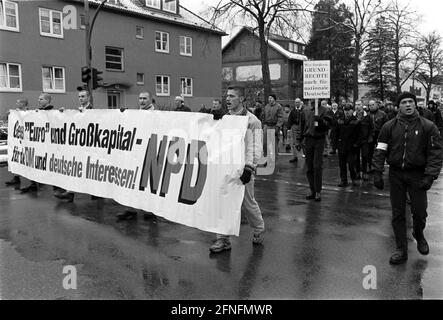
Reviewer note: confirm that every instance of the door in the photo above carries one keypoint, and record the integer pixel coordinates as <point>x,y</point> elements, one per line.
<point>114,99</point>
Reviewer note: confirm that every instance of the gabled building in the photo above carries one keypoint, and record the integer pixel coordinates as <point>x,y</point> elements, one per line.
<point>140,45</point>
<point>242,64</point>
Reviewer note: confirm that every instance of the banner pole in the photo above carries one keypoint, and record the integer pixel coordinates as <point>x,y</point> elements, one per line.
<point>316,111</point>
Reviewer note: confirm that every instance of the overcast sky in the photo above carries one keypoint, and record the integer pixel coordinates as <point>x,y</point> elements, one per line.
<point>431,11</point>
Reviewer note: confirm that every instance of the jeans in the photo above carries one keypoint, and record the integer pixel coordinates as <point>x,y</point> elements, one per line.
<point>251,210</point>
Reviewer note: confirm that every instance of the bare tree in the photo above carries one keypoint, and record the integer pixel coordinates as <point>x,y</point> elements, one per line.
<point>430,59</point>
<point>361,15</point>
<point>403,23</point>
<point>265,17</point>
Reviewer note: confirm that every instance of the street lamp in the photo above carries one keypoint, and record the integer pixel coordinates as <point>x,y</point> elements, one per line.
<point>88,35</point>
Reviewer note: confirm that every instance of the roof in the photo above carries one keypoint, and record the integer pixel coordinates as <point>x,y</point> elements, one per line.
<point>288,54</point>
<point>136,7</point>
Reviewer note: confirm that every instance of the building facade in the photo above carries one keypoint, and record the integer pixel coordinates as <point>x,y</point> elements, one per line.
<point>140,45</point>
<point>242,65</point>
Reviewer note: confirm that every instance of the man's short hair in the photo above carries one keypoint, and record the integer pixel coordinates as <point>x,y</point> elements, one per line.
<point>348,106</point>
<point>239,89</point>
<point>274,96</point>
<point>87,92</point>
<point>218,100</point>
<point>144,92</point>
<point>23,100</point>
<point>46,96</point>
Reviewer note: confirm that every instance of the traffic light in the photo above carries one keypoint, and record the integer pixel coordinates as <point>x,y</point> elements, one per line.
<point>86,75</point>
<point>96,78</point>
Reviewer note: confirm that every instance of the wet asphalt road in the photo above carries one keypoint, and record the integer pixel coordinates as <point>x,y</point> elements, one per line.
<point>311,250</point>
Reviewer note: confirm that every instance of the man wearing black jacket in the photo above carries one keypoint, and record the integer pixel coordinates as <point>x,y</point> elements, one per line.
<point>294,126</point>
<point>348,140</point>
<point>413,149</point>
<point>312,136</point>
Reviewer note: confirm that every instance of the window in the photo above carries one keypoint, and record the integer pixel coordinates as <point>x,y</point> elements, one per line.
<point>170,5</point>
<point>185,46</point>
<point>82,21</point>
<point>51,23</point>
<point>186,86</point>
<point>114,2</point>
<point>293,47</point>
<point>139,32</point>
<point>153,3</point>
<point>53,79</point>
<point>162,85</point>
<point>140,78</point>
<point>10,77</point>
<point>161,41</point>
<point>8,15</point>
<point>227,74</point>
<point>254,72</point>
<point>114,59</point>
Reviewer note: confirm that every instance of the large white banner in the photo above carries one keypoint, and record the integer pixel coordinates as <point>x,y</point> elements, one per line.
<point>316,79</point>
<point>182,166</point>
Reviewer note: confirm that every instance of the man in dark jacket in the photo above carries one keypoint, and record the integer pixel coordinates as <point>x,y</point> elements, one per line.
<point>424,112</point>
<point>294,126</point>
<point>413,149</point>
<point>313,129</point>
<point>180,104</point>
<point>272,119</point>
<point>335,112</point>
<point>348,142</point>
<point>432,106</point>
<point>363,150</point>
<point>390,110</point>
<point>378,119</point>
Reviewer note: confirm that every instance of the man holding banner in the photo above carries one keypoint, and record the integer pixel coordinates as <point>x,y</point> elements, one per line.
<point>84,98</point>
<point>313,137</point>
<point>253,144</point>
<point>315,121</point>
<point>44,103</point>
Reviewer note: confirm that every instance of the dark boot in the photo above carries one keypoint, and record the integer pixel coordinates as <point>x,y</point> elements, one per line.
<point>31,188</point>
<point>310,196</point>
<point>15,180</point>
<point>399,256</point>
<point>343,184</point>
<point>127,215</point>
<point>422,244</point>
<point>65,196</point>
<point>317,196</point>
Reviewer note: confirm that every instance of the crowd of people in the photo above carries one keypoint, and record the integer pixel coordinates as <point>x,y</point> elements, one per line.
<point>407,135</point>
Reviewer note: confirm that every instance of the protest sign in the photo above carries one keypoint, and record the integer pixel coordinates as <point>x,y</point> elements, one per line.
<point>180,166</point>
<point>316,79</point>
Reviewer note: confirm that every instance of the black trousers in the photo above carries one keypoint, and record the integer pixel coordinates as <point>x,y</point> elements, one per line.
<point>345,161</point>
<point>371,149</point>
<point>314,162</point>
<point>361,160</point>
<point>403,181</point>
<point>333,138</point>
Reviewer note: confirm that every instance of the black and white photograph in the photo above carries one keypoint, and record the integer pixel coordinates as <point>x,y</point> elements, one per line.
<point>222,155</point>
